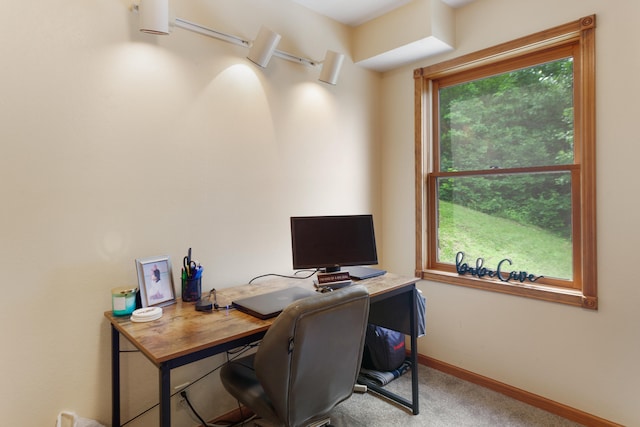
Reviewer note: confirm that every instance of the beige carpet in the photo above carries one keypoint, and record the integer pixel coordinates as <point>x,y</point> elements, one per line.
<point>444,401</point>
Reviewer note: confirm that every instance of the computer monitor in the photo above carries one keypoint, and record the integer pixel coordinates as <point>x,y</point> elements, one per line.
<point>331,242</point>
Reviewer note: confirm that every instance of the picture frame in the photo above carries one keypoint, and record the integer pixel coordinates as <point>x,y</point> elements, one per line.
<point>155,281</point>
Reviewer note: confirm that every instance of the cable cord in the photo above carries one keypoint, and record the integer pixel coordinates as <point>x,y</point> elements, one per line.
<point>183,393</point>
<point>186,399</point>
<point>285,276</point>
<point>235,352</point>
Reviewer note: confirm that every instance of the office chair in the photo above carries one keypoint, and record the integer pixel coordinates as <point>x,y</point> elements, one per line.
<point>308,361</point>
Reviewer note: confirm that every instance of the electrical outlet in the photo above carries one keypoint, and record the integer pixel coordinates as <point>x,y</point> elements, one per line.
<point>183,403</point>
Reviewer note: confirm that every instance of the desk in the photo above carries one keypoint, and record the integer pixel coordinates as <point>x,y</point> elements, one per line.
<point>184,335</point>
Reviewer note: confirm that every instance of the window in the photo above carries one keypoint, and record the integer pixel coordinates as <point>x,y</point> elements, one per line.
<point>505,167</point>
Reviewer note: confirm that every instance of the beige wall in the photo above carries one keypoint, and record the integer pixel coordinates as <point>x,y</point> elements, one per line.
<point>116,145</point>
<point>584,359</point>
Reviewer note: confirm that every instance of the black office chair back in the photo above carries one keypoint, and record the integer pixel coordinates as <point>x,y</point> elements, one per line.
<point>309,360</point>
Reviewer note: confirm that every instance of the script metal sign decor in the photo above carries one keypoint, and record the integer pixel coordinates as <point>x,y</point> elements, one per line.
<point>480,271</point>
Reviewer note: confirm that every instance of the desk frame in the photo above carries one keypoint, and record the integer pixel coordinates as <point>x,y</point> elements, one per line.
<point>394,307</point>
<point>386,310</point>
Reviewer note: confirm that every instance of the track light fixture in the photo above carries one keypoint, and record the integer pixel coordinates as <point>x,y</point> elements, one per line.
<point>154,16</point>
<point>154,19</point>
<point>331,67</point>
<point>263,46</point>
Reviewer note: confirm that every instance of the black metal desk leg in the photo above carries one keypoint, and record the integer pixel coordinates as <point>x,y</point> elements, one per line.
<point>165,395</point>
<point>414,352</point>
<point>115,377</point>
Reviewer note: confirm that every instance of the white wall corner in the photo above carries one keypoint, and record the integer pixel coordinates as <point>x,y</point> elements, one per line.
<point>443,22</point>
<point>418,30</point>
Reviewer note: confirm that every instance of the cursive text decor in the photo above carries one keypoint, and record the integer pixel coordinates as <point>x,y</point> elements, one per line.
<point>480,271</point>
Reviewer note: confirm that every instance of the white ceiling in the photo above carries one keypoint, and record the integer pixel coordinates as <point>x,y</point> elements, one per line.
<point>356,12</point>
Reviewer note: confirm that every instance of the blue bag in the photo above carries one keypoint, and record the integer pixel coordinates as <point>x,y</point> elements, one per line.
<point>384,349</point>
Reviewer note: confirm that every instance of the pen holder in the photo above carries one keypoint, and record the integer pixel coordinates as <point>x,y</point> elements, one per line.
<point>191,289</point>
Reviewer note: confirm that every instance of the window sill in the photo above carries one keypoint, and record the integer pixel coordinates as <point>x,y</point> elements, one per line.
<point>541,292</point>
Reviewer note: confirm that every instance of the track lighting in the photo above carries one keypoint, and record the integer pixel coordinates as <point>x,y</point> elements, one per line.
<point>197,28</point>
<point>154,19</point>
<point>154,16</point>
<point>331,67</point>
<point>263,46</point>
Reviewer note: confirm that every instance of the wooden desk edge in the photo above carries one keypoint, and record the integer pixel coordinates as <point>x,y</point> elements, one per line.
<point>164,349</point>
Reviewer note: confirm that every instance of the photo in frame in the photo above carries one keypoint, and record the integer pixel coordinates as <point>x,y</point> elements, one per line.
<point>155,280</point>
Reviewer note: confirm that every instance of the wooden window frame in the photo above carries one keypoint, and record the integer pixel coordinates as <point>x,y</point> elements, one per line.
<point>578,35</point>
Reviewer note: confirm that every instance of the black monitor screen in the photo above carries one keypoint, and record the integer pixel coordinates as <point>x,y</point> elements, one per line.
<point>329,242</point>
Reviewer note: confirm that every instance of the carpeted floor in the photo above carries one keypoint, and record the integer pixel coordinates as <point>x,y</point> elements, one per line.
<point>444,401</point>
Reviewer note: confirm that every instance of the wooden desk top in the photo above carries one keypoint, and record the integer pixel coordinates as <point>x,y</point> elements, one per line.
<point>182,330</point>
